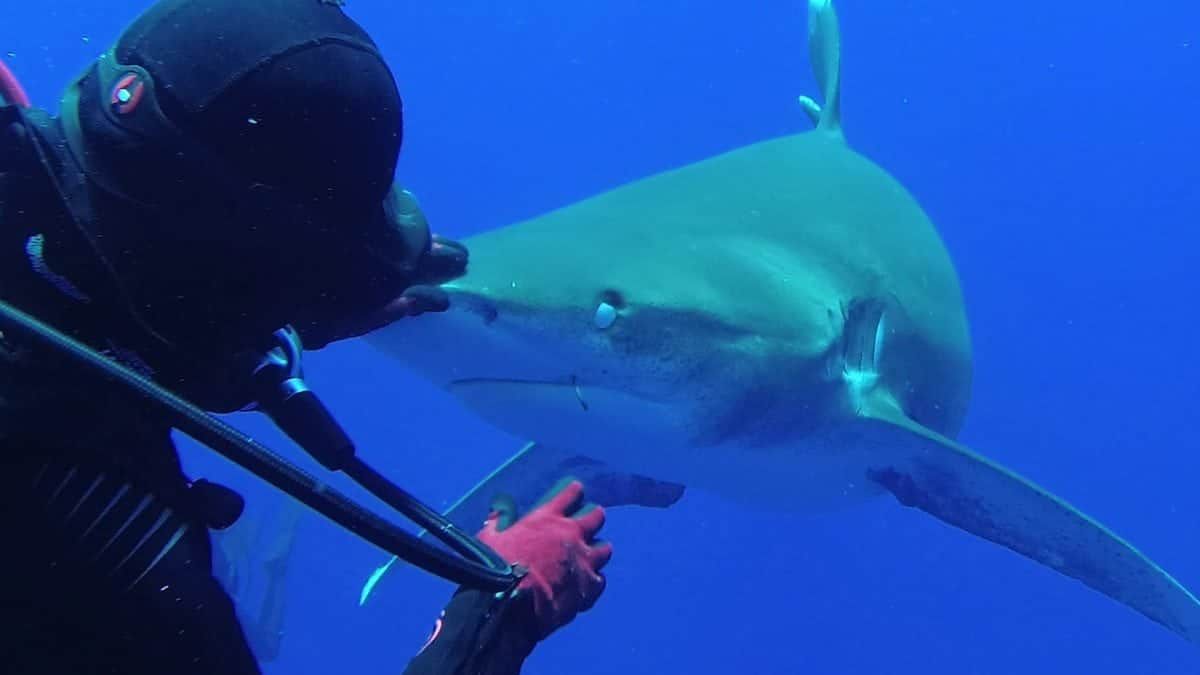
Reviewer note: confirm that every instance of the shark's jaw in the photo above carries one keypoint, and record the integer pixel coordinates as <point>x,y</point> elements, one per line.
<point>542,380</point>
<point>598,421</point>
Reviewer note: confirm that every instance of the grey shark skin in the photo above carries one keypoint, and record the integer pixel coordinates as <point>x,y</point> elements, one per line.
<point>780,324</point>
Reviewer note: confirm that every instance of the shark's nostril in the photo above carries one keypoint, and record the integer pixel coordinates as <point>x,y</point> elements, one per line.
<point>489,312</point>
<point>486,309</point>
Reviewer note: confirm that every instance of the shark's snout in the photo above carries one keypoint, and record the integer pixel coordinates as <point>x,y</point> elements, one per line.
<point>472,304</point>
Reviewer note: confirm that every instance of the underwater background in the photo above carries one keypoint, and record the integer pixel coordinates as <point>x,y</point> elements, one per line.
<point>1056,147</point>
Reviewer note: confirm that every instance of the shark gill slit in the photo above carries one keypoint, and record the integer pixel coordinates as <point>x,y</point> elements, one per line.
<point>863,342</point>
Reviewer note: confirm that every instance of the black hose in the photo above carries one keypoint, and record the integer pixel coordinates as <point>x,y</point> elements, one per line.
<point>478,567</point>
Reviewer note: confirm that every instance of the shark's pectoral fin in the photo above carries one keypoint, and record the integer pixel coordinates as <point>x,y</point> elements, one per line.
<point>536,468</point>
<point>950,482</point>
<point>608,487</point>
<point>530,473</point>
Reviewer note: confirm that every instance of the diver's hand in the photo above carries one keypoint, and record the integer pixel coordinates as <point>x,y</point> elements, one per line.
<point>556,543</point>
<point>428,261</point>
<point>436,258</point>
<point>445,261</point>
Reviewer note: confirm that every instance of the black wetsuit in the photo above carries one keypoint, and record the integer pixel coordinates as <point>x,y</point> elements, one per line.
<point>108,560</point>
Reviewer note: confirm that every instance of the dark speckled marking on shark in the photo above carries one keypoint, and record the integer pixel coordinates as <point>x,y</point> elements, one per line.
<point>780,324</point>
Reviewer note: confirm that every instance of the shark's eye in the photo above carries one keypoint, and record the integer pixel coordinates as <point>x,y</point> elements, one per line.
<point>606,316</point>
<point>613,298</point>
<point>608,309</point>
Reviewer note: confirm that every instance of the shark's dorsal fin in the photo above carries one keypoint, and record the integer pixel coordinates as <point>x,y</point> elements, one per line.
<point>825,55</point>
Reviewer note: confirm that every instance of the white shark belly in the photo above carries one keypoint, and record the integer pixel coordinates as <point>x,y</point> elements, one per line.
<point>817,474</point>
<point>820,472</point>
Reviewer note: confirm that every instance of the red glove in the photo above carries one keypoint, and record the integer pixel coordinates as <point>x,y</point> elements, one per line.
<point>555,543</point>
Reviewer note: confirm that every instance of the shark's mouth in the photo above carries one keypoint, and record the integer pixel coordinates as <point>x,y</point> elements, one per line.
<point>558,399</point>
<point>571,382</point>
<point>569,413</point>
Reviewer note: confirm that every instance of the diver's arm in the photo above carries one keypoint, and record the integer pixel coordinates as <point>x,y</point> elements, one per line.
<point>477,635</point>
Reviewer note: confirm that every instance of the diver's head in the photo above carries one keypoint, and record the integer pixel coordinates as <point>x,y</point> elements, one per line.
<point>240,156</point>
<point>288,94</point>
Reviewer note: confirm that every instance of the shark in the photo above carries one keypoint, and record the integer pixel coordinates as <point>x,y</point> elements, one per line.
<point>780,324</point>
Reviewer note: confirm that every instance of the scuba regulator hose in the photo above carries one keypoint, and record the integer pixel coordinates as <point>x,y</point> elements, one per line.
<point>11,91</point>
<point>305,419</point>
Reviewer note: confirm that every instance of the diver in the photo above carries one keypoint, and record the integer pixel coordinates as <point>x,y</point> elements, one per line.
<point>224,171</point>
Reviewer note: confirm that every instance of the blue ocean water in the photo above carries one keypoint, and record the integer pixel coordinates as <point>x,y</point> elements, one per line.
<point>1055,146</point>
